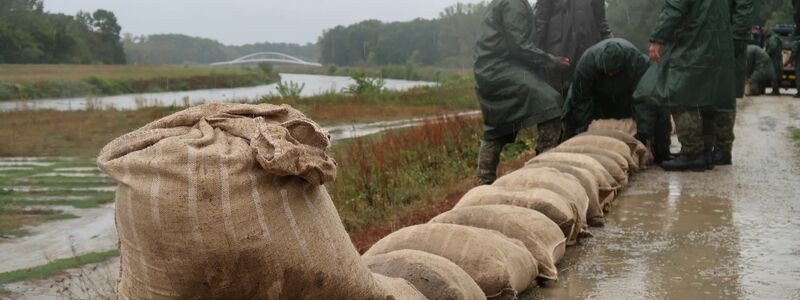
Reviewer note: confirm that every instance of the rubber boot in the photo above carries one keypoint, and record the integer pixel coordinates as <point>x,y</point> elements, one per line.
<point>708,151</point>
<point>696,163</point>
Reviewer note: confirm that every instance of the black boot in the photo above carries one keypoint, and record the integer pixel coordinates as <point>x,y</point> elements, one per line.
<point>684,162</point>
<point>722,158</point>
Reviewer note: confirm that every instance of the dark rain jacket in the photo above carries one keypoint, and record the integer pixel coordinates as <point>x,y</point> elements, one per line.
<point>596,95</point>
<point>506,59</point>
<point>759,65</point>
<point>697,64</point>
<point>774,47</point>
<point>741,25</point>
<point>567,28</point>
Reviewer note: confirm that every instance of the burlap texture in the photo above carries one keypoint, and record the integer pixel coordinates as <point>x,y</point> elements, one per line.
<point>606,143</point>
<point>628,126</point>
<point>645,157</point>
<point>434,276</point>
<point>618,159</point>
<point>547,202</point>
<point>613,168</point>
<point>594,214</point>
<point>501,266</point>
<point>548,178</point>
<point>605,192</point>
<point>224,201</point>
<point>578,160</point>
<point>540,235</point>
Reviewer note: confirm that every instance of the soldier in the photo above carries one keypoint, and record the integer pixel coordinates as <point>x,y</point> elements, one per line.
<point>774,49</point>
<point>795,60</point>
<point>512,98</point>
<point>758,69</point>
<point>693,47</point>
<point>602,88</point>
<point>567,28</point>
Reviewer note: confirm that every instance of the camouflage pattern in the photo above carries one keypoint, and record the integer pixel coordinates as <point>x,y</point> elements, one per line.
<point>548,136</point>
<point>691,134</point>
<point>723,125</point>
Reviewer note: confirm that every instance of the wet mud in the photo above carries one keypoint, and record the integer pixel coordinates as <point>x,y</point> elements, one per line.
<point>730,233</point>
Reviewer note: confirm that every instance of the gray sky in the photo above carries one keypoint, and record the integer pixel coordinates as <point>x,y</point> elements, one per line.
<point>250,21</point>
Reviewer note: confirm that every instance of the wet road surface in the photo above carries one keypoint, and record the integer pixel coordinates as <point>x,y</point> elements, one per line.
<point>731,233</point>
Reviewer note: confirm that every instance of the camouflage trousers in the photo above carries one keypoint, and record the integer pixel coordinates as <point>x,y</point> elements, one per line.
<point>700,131</point>
<point>548,136</point>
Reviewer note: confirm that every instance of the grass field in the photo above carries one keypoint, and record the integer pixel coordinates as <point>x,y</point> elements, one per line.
<point>56,267</point>
<point>63,81</point>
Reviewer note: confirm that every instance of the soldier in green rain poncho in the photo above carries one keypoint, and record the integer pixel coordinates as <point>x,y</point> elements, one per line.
<point>602,88</point>
<point>758,70</point>
<point>512,98</point>
<point>774,49</point>
<point>694,75</point>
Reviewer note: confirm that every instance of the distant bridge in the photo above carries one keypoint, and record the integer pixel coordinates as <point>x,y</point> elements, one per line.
<point>268,57</point>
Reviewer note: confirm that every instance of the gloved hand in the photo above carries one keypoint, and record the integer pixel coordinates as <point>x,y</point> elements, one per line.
<point>739,48</point>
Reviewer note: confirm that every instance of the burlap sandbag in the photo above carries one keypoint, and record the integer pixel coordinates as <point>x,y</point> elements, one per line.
<point>434,276</point>
<point>606,193</point>
<point>577,160</point>
<point>594,214</point>
<point>548,178</point>
<point>618,159</point>
<point>540,235</point>
<point>627,126</point>
<point>554,206</point>
<point>501,266</point>
<point>607,143</point>
<point>645,157</point>
<point>225,201</point>
<point>613,168</point>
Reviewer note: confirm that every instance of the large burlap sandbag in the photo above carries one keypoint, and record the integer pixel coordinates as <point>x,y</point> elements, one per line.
<point>554,206</point>
<point>434,276</point>
<point>607,143</point>
<point>501,266</point>
<point>627,126</point>
<point>548,178</point>
<point>577,160</point>
<point>645,157</point>
<point>606,193</point>
<point>618,159</point>
<point>613,168</point>
<point>225,201</point>
<point>594,214</point>
<point>540,235</point>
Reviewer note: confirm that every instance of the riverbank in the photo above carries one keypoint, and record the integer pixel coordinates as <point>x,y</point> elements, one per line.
<point>402,72</point>
<point>25,82</point>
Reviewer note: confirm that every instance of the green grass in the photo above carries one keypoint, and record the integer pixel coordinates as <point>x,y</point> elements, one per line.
<point>794,134</point>
<point>56,267</point>
<point>12,220</point>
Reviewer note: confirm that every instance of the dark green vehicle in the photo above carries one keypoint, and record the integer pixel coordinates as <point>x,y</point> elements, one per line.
<point>785,32</point>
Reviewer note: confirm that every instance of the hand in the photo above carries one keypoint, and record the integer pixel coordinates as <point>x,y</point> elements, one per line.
<point>655,52</point>
<point>565,61</point>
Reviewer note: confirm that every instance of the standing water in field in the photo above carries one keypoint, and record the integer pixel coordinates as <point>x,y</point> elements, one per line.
<point>314,85</point>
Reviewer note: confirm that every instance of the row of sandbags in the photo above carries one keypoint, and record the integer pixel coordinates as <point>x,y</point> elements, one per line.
<point>227,201</point>
<point>502,239</point>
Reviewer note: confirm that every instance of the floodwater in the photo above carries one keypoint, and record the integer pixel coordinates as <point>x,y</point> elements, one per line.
<point>731,233</point>
<point>314,85</point>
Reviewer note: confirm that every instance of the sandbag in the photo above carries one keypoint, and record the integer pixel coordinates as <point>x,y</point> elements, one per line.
<point>606,193</point>
<point>594,214</point>
<point>548,178</point>
<point>628,126</point>
<point>645,157</point>
<point>226,201</point>
<point>618,159</point>
<point>604,143</point>
<point>398,288</point>
<point>554,206</point>
<point>434,276</point>
<point>501,266</point>
<point>613,168</point>
<point>577,160</point>
<point>540,235</point>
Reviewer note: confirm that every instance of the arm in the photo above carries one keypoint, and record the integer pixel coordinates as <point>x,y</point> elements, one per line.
<point>668,22</point>
<point>581,104</point>
<point>542,13</point>
<point>599,7</point>
<point>519,35</point>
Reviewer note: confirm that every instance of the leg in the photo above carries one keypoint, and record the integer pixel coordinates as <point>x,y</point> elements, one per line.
<point>662,138</point>
<point>709,136</point>
<point>777,70</point>
<point>724,123</point>
<point>690,133</point>
<point>489,158</point>
<point>549,135</point>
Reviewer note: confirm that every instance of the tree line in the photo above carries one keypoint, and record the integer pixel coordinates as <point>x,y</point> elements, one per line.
<point>29,35</point>
<point>184,49</point>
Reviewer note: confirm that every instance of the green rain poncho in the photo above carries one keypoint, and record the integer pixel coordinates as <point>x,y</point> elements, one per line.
<point>596,95</point>
<point>511,96</point>
<point>697,64</point>
<point>759,65</point>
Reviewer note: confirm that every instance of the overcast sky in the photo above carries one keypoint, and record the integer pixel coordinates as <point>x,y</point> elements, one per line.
<point>237,22</point>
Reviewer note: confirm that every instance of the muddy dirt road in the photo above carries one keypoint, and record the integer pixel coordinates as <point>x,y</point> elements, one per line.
<point>732,233</point>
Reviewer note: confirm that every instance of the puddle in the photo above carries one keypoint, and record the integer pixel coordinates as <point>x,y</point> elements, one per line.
<point>343,132</point>
<point>28,189</point>
<point>12,163</point>
<point>655,247</point>
<point>49,198</point>
<point>60,174</point>
<point>6,169</point>
<point>77,169</point>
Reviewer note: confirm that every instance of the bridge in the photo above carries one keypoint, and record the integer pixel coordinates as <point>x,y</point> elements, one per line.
<point>267,57</point>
